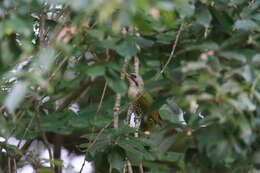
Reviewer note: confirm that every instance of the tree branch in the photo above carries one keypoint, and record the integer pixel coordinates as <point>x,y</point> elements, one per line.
<point>136,65</point>
<point>42,26</point>
<point>118,95</point>
<point>172,52</point>
<point>130,169</point>
<point>95,140</point>
<point>45,140</point>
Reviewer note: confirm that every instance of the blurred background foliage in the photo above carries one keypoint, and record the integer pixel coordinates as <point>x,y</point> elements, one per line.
<point>57,56</point>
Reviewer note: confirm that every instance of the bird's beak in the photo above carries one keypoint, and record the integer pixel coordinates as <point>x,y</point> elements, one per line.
<point>131,77</point>
<point>127,75</point>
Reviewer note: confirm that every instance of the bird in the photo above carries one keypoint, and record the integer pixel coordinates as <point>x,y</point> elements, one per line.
<point>142,102</point>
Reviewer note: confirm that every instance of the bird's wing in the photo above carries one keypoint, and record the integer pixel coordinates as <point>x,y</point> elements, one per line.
<point>145,101</point>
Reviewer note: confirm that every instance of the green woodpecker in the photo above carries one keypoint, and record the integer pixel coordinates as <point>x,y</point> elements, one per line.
<point>142,102</point>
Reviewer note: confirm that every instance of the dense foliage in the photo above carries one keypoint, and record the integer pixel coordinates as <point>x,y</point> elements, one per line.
<point>58,55</point>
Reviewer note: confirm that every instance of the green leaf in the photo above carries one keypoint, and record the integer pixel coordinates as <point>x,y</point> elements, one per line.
<point>45,170</point>
<point>247,73</point>
<point>12,150</point>
<point>245,25</point>
<point>10,51</point>
<point>96,33</point>
<point>225,22</point>
<point>257,95</point>
<point>166,5</point>
<point>45,59</point>
<point>191,66</point>
<point>214,63</point>
<point>230,87</point>
<point>16,96</point>
<point>256,17</point>
<point>116,158</point>
<point>144,43</point>
<point>122,131</point>
<point>96,70</point>
<point>109,42</point>
<point>165,38</point>
<point>244,99</point>
<point>185,9</point>
<point>256,58</point>
<point>256,157</point>
<point>168,115</point>
<point>57,162</point>
<point>20,25</point>
<point>245,130</point>
<point>134,149</point>
<point>99,146</point>
<point>203,16</point>
<point>114,82</point>
<point>80,5</point>
<point>234,55</point>
<point>172,156</point>
<point>142,21</point>
<point>133,155</point>
<point>127,48</point>
<point>135,143</point>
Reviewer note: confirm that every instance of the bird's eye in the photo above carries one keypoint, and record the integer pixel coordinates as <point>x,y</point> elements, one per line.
<point>133,75</point>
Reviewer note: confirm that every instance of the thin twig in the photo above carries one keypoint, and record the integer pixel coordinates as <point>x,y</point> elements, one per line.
<point>49,79</point>
<point>172,52</point>
<point>116,110</point>
<point>59,67</point>
<point>105,87</point>
<point>125,167</point>
<point>118,95</point>
<point>102,98</point>
<point>206,32</point>
<point>26,130</point>
<point>136,65</point>
<point>251,2</point>
<point>31,121</point>
<point>141,169</point>
<point>63,9</point>
<point>95,140</point>
<point>24,148</point>
<point>59,27</point>
<point>21,114</point>
<point>130,169</point>
<point>2,108</point>
<point>30,103</point>
<point>252,89</point>
<point>20,117</point>
<point>98,109</point>
<point>110,169</point>
<point>84,161</point>
<point>42,44</point>
<point>45,140</point>
<point>9,165</point>
<point>42,26</point>
<point>98,135</point>
<point>15,167</point>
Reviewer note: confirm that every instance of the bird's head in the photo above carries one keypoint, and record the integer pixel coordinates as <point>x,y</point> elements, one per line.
<point>136,85</point>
